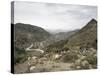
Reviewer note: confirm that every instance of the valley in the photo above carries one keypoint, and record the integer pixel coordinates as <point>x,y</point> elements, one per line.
<point>37,50</point>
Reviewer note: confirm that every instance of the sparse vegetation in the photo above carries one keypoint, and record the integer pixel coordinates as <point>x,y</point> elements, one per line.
<point>69,57</point>
<point>19,56</point>
<point>76,52</point>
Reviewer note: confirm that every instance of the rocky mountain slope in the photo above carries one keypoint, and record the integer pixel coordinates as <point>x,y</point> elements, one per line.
<point>26,34</point>
<point>87,36</point>
<point>80,48</point>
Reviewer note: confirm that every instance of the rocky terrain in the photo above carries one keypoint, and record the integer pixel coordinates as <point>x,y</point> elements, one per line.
<point>37,50</point>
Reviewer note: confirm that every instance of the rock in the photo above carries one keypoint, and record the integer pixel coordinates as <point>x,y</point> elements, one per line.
<point>68,51</point>
<point>78,67</point>
<point>29,58</point>
<point>78,62</point>
<point>63,52</point>
<point>32,68</point>
<point>34,57</point>
<point>29,63</point>
<point>46,55</point>
<point>32,62</point>
<point>78,55</point>
<point>82,57</point>
<point>85,63</point>
<point>42,60</point>
<point>92,49</point>
<point>57,56</point>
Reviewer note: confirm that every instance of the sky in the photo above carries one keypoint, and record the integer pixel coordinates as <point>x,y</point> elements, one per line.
<point>54,16</point>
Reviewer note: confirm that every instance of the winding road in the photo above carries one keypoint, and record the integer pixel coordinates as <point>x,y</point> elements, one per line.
<point>30,49</point>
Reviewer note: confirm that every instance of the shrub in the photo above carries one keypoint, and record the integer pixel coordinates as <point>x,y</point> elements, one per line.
<point>92,59</point>
<point>65,48</point>
<point>69,57</point>
<point>19,55</point>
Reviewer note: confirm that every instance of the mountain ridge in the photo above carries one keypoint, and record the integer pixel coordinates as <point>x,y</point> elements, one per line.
<point>86,35</point>
<point>26,33</point>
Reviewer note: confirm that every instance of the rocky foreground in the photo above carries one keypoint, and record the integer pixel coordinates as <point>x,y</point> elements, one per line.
<point>73,59</point>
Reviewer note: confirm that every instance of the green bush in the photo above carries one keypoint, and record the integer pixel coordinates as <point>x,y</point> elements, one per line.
<point>19,55</point>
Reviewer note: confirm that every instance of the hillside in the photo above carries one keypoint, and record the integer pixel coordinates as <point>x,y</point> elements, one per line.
<point>63,35</point>
<point>63,51</point>
<point>87,36</point>
<point>79,49</point>
<point>26,34</point>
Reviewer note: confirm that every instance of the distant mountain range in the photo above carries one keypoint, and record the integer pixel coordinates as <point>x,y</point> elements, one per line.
<point>64,35</point>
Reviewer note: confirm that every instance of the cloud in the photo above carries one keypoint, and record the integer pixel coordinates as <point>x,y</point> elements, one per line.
<point>54,16</point>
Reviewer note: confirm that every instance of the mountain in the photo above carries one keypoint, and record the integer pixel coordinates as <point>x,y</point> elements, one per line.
<point>26,34</point>
<point>86,36</point>
<point>56,31</point>
<point>77,48</point>
<point>64,35</point>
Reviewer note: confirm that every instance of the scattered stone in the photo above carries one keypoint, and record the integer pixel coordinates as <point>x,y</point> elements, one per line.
<point>78,67</point>
<point>78,56</point>
<point>29,64</point>
<point>63,52</point>
<point>32,62</point>
<point>46,55</point>
<point>82,57</point>
<point>34,57</point>
<point>77,62</point>
<point>32,68</point>
<point>68,51</point>
<point>57,56</point>
<point>92,49</point>
<point>29,58</point>
<point>84,63</point>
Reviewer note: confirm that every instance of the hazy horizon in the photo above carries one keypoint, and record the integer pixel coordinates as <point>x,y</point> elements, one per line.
<point>53,16</point>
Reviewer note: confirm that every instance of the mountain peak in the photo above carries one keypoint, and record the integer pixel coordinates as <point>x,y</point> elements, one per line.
<point>93,20</point>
